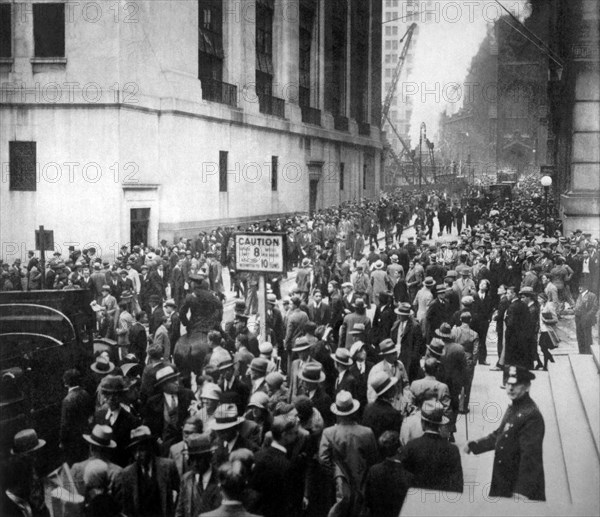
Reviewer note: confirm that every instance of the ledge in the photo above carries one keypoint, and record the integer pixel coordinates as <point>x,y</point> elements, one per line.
<point>141,186</point>
<point>48,60</point>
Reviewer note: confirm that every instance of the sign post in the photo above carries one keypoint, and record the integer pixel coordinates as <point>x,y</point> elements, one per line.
<point>44,239</point>
<point>260,253</point>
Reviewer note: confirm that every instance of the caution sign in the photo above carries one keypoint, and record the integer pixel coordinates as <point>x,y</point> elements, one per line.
<point>260,252</point>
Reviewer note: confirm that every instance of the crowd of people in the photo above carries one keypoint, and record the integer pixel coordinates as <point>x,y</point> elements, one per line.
<point>353,395</point>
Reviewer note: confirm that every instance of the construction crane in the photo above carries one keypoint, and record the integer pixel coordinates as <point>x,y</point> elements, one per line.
<point>385,109</point>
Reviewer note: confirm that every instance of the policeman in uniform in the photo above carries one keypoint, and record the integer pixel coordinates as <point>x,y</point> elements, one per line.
<point>518,464</point>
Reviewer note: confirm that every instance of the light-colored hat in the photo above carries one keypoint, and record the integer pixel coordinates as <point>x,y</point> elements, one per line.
<point>265,348</point>
<point>433,411</point>
<point>211,391</point>
<point>226,417</point>
<point>259,399</point>
<point>342,356</point>
<point>344,404</point>
<point>166,374</point>
<point>199,444</point>
<point>101,436</point>
<point>139,435</point>
<point>312,372</point>
<point>382,382</point>
<point>356,347</point>
<point>378,264</point>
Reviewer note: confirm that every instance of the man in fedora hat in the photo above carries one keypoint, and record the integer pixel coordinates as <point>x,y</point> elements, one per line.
<point>466,337</point>
<point>301,348</point>
<point>380,281</point>
<point>312,378</point>
<point>352,320</point>
<point>406,334</point>
<point>390,364</point>
<point>204,308</point>
<point>199,491</point>
<point>165,413</point>
<point>115,415</point>
<point>258,372</point>
<point>437,312</point>
<point>146,487</point>
<point>518,442</point>
<point>431,459</point>
<point>230,382</point>
<point>381,415</point>
<point>347,450</point>
<point>384,317</point>
<point>344,380</point>
<point>101,445</point>
<point>227,428</point>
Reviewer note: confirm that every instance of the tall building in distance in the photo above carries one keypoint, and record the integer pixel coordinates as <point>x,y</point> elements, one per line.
<point>398,15</point>
<point>137,121</point>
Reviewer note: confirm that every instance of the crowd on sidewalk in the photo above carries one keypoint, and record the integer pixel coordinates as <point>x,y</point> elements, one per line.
<point>336,411</point>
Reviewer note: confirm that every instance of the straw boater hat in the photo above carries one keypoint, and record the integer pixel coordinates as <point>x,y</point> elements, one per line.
<point>403,309</point>
<point>102,365</point>
<point>342,356</point>
<point>139,435</point>
<point>312,372</point>
<point>440,289</point>
<point>378,264</point>
<point>301,344</point>
<point>26,441</point>
<point>387,346</point>
<point>166,374</point>
<point>356,347</point>
<point>211,391</point>
<point>225,364</point>
<point>429,281</point>
<point>382,382</point>
<point>226,417</point>
<point>101,436</point>
<point>344,404</point>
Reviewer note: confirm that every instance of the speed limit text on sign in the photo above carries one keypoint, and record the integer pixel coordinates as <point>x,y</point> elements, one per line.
<point>260,252</point>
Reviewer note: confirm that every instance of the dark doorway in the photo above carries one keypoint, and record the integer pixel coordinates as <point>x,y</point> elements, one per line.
<point>140,219</point>
<point>312,195</point>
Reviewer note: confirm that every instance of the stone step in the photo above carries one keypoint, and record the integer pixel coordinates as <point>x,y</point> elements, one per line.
<point>596,355</point>
<point>587,380</point>
<point>578,446</point>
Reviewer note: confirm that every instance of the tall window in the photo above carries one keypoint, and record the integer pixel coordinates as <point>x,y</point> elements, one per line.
<point>22,156</point>
<point>49,30</point>
<point>336,65</point>
<point>223,171</point>
<point>342,176</point>
<point>274,172</point>
<point>264,47</point>
<point>5,30</point>
<point>365,169</point>
<point>359,59</point>
<point>210,39</point>
<point>307,15</point>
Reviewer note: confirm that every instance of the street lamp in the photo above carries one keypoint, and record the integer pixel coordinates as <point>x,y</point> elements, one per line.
<point>546,182</point>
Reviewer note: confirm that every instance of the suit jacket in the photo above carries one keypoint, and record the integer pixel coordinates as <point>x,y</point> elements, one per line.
<point>155,319</point>
<point>241,388</point>
<point>296,319</point>
<point>161,337</point>
<point>518,460</point>
<point>347,383</point>
<point>127,487</point>
<point>178,453</point>
<point>122,427</point>
<point>221,454</point>
<point>270,479</point>
<point>352,444</point>
<point>77,408</point>
<point>77,470</point>
<point>434,462</point>
<point>517,335</point>
<point>319,315</point>
<point>153,415</point>
<point>381,416</point>
<point>386,487</point>
<point>383,321</point>
<point>194,498</point>
<point>346,339</point>
<point>412,346</point>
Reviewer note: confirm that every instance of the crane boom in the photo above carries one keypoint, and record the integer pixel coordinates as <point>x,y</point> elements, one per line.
<point>392,89</point>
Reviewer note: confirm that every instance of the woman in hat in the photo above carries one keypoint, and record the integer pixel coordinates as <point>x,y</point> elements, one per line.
<point>258,412</point>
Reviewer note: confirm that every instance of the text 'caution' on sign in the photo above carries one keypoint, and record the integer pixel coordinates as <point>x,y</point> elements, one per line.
<point>260,252</point>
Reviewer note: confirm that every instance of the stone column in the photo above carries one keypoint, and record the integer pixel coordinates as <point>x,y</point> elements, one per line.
<point>581,204</point>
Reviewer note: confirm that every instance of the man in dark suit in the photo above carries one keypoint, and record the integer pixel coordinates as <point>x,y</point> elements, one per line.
<point>76,412</point>
<point>360,371</point>
<point>517,323</point>
<point>344,380</point>
<point>116,416</point>
<point>156,314</point>
<point>518,461</point>
<point>312,378</point>
<point>199,491</point>
<point>387,482</point>
<point>115,282</point>
<point>145,488</point>
<point>230,382</point>
<point>272,470</point>
<point>483,308</point>
<point>380,415</point>
<point>227,428</point>
<point>318,311</point>
<point>406,333</point>
<point>384,318</point>
<point>166,412</point>
<point>138,338</point>
<point>432,460</point>
<point>157,282</point>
